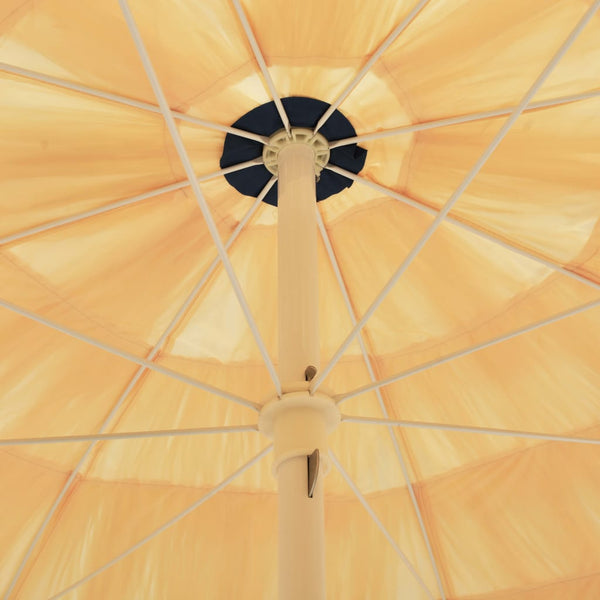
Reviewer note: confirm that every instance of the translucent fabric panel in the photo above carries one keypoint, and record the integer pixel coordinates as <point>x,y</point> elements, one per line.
<point>196,556</point>
<point>586,586</point>
<point>501,49</point>
<point>180,406</point>
<point>389,230</point>
<point>201,338</point>
<point>102,518</point>
<point>52,384</point>
<point>482,291</point>
<point>375,467</point>
<point>307,60</point>
<point>174,461</point>
<point>29,490</point>
<point>545,172</point>
<point>124,283</point>
<point>82,41</point>
<point>65,153</point>
<point>519,522</point>
<point>355,545</point>
<point>545,381</point>
<point>216,77</point>
<point>579,69</point>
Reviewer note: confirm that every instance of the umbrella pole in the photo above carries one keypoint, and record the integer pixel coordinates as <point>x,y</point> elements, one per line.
<point>297,263</point>
<point>301,518</point>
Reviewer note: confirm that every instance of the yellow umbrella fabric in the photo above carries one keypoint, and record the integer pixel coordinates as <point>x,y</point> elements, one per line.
<point>117,315</point>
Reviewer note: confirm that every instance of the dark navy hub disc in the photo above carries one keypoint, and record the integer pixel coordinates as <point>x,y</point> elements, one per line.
<point>302,112</point>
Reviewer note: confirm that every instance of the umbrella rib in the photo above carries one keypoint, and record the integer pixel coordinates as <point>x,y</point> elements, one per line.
<point>456,355</point>
<point>142,362</point>
<point>532,435</point>
<point>125,202</point>
<point>389,40</point>
<point>261,63</point>
<point>458,192</point>
<point>126,435</point>
<point>379,524</point>
<point>168,524</point>
<point>133,383</point>
<point>457,120</point>
<point>463,225</point>
<point>365,355</point>
<point>90,91</point>
<point>187,165</point>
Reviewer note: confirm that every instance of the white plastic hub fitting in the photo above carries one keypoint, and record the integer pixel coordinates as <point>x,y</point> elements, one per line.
<point>298,424</point>
<point>297,135</point>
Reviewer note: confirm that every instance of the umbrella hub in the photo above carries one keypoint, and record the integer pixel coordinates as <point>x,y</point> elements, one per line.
<point>297,135</point>
<point>304,114</point>
<point>299,424</point>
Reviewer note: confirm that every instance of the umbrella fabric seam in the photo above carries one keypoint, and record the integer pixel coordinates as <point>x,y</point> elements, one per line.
<point>507,593</point>
<point>40,280</point>
<point>189,101</point>
<point>42,543</point>
<point>481,231</point>
<point>533,445</point>
<point>214,491</point>
<point>469,350</point>
<point>130,357</point>
<point>515,302</point>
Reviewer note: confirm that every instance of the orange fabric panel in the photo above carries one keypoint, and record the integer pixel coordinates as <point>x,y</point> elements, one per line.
<point>518,522</point>
<point>28,491</point>
<point>500,50</point>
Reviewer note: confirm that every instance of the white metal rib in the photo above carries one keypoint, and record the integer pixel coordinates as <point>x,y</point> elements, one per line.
<point>187,165</point>
<point>455,355</point>
<point>457,120</point>
<point>261,63</point>
<point>390,39</point>
<point>532,435</point>
<point>89,91</point>
<point>367,360</point>
<point>130,357</point>
<point>183,309</point>
<point>166,525</point>
<point>126,435</point>
<point>379,524</point>
<point>125,202</point>
<point>465,226</point>
<point>458,192</point>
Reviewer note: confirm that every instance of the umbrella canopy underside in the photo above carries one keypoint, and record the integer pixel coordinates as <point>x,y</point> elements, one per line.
<point>117,314</point>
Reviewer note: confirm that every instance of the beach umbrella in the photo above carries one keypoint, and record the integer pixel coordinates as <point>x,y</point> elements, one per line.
<point>300,299</point>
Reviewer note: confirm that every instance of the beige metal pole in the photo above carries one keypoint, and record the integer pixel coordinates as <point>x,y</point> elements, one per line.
<point>297,263</point>
<point>301,519</point>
